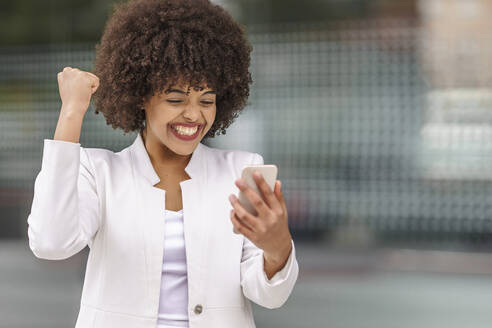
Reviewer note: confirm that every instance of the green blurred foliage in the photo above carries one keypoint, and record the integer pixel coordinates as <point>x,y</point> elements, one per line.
<point>52,21</point>
<point>283,11</point>
<point>68,21</point>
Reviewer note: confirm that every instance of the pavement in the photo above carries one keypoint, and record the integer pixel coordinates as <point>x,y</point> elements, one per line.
<point>336,288</point>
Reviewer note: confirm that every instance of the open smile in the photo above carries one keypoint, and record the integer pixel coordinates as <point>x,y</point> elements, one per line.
<point>186,131</point>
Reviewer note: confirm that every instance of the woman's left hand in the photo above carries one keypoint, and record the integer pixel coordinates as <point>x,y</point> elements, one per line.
<point>269,229</point>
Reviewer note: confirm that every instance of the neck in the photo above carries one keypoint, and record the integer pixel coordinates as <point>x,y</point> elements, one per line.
<point>163,157</point>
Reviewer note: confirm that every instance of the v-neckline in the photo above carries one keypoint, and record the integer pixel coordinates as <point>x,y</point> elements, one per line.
<point>180,211</point>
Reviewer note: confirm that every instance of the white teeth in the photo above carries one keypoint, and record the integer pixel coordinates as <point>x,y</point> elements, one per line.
<point>185,130</point>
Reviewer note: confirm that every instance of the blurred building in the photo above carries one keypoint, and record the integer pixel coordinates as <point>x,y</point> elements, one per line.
<point>376,112</point>
<point>456,54</point>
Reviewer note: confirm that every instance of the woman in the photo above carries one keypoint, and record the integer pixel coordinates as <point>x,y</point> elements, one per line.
<point>156,215</point>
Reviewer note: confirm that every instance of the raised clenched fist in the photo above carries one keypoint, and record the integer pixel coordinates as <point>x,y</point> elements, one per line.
<point>76,88</point>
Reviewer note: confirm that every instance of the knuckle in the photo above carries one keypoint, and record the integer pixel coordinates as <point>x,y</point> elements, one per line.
<point>257,202</point>
<point>279,212</point>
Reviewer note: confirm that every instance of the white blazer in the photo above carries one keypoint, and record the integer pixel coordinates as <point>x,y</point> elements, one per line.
<point>107,200</point>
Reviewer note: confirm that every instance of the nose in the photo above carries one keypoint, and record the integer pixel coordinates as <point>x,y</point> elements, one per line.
<point>191,113</point>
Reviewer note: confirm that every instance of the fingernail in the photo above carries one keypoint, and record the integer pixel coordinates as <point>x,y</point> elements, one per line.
<point>257,174</point>
<point>240,183</point>
<point>231,198</point>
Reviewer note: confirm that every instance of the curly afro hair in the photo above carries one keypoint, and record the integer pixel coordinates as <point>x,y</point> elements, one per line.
<point>148,45</point>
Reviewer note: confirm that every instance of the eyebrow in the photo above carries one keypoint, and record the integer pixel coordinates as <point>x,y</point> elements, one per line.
<point>183,92</point>
<point>174,90</point>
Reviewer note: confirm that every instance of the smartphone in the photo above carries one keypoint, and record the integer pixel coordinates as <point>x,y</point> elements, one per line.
<point>269,172</point>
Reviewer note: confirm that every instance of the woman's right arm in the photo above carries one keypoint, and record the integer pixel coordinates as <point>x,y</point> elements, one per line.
<point>65,214</point>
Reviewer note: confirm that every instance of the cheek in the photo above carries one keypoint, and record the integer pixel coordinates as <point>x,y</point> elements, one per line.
<point>209,119</point>
<point>211,116</point>
<point>163,117</point>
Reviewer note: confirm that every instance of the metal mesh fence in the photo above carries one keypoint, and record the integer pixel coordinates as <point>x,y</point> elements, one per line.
<point>350,113</point>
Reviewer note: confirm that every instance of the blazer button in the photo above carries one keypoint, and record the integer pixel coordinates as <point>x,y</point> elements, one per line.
<point>198,309</point>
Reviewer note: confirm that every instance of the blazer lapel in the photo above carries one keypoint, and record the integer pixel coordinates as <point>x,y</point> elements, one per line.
<point>151,201</point>
<point>195,212</point>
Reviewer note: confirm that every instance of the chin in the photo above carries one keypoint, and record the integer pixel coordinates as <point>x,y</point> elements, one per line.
<point>184,150</point>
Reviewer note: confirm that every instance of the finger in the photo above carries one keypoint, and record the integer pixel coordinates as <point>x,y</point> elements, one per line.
<point>240,227</point>
<point>242,221</point>
<point>280,195</point>
<point>268,194</point>
<point>94,83</point>
<point>254,198</point>
<point>246,217</point>
<point>93,75</point>
<point>93,80</point>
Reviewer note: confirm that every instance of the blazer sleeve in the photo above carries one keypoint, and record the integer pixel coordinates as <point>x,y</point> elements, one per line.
<point>65,214</point>
<point>256,286</point>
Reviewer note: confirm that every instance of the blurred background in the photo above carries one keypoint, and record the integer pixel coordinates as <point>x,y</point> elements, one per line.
<point>378,114</point>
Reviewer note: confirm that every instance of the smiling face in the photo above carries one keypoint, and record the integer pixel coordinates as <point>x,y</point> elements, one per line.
<point>179,117</point>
